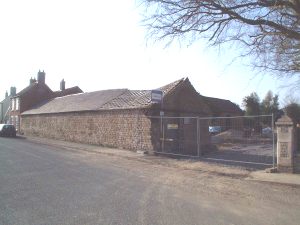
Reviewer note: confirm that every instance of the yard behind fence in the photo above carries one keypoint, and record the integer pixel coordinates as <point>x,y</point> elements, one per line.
<point>244,138</point>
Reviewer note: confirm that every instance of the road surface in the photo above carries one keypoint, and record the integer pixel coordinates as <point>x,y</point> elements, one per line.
<point>43,184</point>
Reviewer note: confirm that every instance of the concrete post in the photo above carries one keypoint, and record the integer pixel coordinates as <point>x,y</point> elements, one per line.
<point>285,144</point>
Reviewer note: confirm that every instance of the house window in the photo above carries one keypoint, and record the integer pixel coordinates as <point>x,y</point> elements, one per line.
<point>13,104</point>
<point>17,103</point>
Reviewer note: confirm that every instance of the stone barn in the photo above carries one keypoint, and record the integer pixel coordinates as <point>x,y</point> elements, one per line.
<point>120,118</point>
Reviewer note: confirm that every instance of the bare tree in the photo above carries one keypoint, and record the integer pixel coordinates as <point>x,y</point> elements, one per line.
<point>269,30</point>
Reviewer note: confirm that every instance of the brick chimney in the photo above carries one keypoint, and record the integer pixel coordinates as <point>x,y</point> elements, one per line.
<point>62,85</point>
<point>32,81</point>
<point>41,77</point>
<point>6,94</point>
<point>13,91</point>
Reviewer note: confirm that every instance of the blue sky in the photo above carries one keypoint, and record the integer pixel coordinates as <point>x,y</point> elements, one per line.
<point>102,45</point>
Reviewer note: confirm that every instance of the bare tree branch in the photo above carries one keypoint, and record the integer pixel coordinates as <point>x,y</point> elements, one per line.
<point>268,29</point>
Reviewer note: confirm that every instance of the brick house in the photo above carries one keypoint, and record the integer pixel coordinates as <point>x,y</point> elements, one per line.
<point>36,92</point>
<point>118,118</point>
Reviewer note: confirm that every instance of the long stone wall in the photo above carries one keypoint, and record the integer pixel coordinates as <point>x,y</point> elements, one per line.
<point>128,129</point>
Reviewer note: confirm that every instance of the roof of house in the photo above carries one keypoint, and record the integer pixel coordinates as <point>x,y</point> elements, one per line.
<point>67,91</point>
<point>26,89</point>
<point>218,105</point>
<point>30,87</point>
<point>100,100</point>
<point>7,99</point>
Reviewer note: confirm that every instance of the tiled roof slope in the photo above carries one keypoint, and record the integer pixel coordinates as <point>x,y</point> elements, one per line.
<point>138,98</point>
<point>77,102</point>
<point>27,89</point>
<point>100,100</point>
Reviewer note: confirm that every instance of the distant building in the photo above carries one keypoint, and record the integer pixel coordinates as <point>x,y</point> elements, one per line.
<point>222,107</point>
<point>5,105</point>
<point>224,110</point>
<point>36,92</point>
<point>66,91</point>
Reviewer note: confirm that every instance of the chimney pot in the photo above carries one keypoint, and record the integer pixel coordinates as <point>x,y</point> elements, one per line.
<point>13,91</point>
<point>41,77</point>
<point>62,85</point>
<point>32,81</point>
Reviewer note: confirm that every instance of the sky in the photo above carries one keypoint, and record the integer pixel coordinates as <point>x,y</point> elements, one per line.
<point>99,45</point>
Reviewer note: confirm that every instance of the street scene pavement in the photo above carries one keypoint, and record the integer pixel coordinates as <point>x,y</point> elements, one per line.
<point>53,182</point>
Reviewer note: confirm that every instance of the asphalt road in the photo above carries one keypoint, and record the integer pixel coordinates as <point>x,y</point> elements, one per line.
<point>42,184</point>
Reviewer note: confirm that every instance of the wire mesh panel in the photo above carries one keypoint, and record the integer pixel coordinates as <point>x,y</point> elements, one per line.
<point>235,139</point>
<point>177,135</point>
<point>245,139</point>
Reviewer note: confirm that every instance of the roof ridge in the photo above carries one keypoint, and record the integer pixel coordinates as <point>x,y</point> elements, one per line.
<point>24,90</point>
<point>169,88</point>
<point>86,93</point>
<point>67,88</point>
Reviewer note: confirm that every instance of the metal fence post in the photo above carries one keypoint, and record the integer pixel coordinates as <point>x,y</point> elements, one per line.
<point>273,133</point>
<point>198,137</point>
<point>163,134</point>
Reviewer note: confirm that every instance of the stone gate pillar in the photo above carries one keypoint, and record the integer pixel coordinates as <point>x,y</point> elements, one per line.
<point>285,144</point>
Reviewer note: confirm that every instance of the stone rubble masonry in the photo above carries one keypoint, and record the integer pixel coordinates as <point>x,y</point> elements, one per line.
<point>126,129</point>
